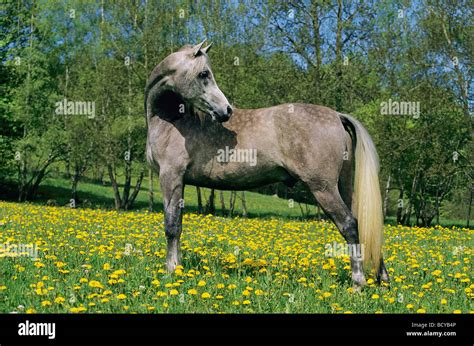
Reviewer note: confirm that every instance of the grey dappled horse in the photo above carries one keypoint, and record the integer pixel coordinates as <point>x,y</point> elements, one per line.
<point>190,120</point>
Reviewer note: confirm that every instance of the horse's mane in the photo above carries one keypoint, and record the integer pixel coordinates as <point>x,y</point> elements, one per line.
<point>164,101</point>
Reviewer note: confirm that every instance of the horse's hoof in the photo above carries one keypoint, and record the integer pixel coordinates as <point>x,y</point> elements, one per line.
<point>383,279</point>
<point>358,280</point>
<point>171,267</point>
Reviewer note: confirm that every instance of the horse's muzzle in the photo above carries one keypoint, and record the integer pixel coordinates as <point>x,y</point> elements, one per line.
<point>222,118</point>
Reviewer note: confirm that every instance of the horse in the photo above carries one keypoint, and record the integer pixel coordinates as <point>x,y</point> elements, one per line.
<point>190,121</point>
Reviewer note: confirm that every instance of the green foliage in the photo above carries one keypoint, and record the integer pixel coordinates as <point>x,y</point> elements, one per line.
<point>349,56</point>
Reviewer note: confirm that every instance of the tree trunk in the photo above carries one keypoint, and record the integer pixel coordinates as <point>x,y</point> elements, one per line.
<point>411,200</point>
<point>199,199</point>
<point>400,200</point>
<point>135,192</point>
<point>339,28</point>
<point>128,178</point>
<point>221,198</point>
<point>233,196</point>
<point>75,181</point>
<point>210,205</point>
<point>385,201</point>
<point>317,49</point>
<point>118,200</point>
<point>244,205</point>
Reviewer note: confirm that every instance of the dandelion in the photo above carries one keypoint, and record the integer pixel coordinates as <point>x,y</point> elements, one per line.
<point>59,300</point>
<point>205,295</point>
<point>174,292</point>
<point>121,296</point>
<point>192,292</point>
<point>77,309</point>
<point>95,284</point>
<point>437,272</point>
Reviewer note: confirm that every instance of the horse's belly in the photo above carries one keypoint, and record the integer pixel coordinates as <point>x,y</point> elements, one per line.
<point>234,175</point>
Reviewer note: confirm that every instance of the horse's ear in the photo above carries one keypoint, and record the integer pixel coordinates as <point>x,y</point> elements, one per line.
<point>197,48</point>
<point>206,49</point>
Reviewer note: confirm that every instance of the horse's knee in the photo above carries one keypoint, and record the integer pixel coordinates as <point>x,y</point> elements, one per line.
<point>349,231</point>
<point>172,226</point>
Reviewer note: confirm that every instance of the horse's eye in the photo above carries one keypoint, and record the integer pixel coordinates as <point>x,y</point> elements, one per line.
<point>204,74</point>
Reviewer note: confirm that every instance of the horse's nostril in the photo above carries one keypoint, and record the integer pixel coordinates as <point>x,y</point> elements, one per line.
<point>229,110</point>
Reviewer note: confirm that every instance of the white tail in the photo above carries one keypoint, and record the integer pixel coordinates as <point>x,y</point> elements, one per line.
<point>367,200</point>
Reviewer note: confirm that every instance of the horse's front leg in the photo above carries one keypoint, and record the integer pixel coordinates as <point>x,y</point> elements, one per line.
<point>172,187</point>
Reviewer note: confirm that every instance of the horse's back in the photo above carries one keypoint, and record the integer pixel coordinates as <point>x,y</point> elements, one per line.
<point>310,140</point>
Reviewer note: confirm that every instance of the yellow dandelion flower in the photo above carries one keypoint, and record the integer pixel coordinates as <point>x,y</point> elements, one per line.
<point>59,300</point>
<point>95,284</point>
<point>78,309</point>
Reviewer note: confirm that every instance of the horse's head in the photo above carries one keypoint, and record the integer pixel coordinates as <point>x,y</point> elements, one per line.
<point>188,74</point>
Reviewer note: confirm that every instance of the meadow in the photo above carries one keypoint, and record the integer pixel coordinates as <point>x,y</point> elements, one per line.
<point>102,261</point>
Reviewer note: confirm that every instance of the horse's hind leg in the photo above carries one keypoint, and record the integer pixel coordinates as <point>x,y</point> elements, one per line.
<point>382,274</point>
<point>331,202</point>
